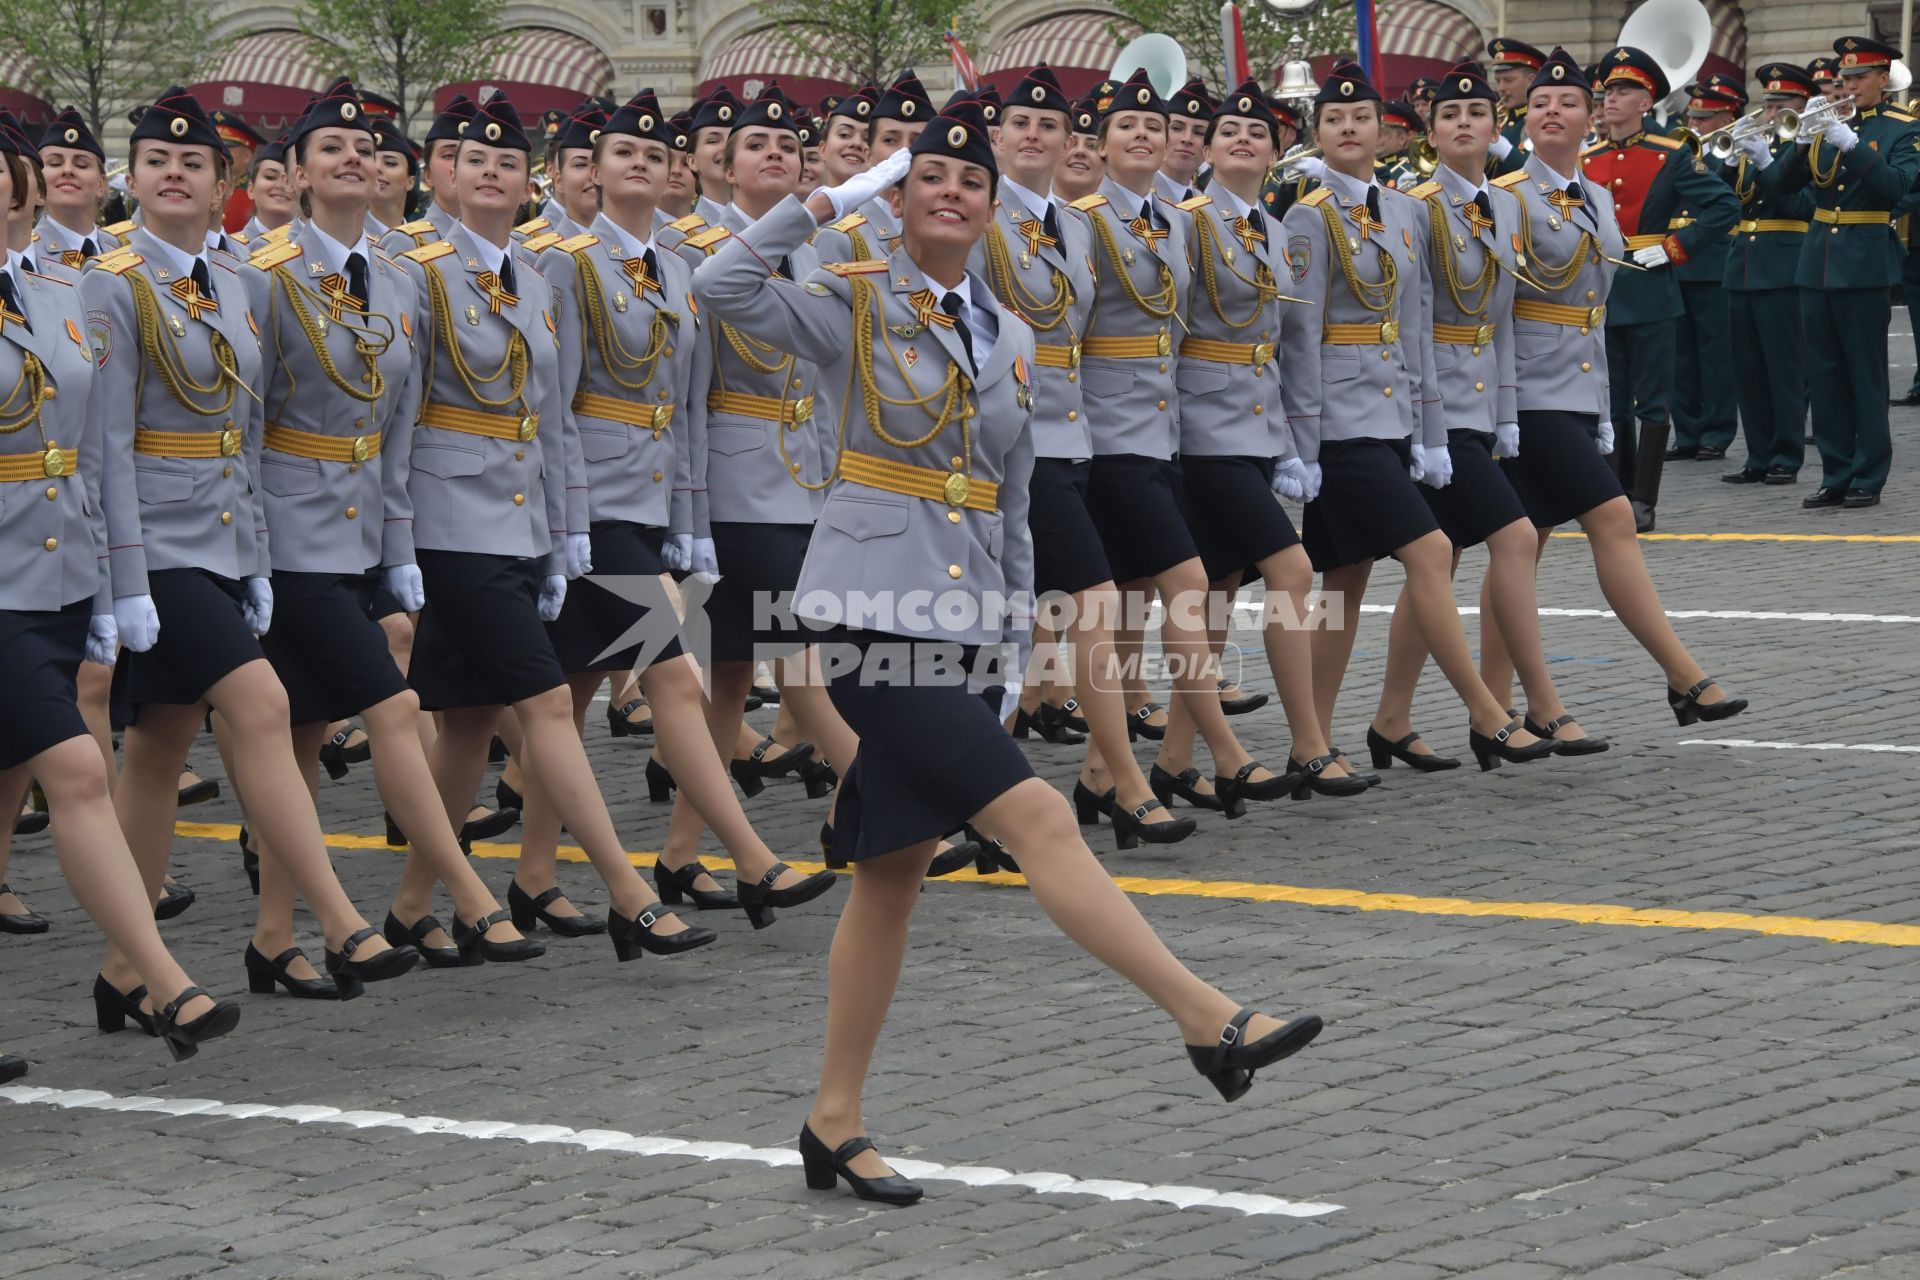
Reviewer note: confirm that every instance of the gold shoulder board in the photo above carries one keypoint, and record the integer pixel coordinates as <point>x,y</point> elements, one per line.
<point>546,239</point>
<point>1087,203</point>
<point>1316,196</point>
<point>1901,116</point>
<point>864,267</point>
<point>1424,190</point>
<point>849,223</point>
<point>532,226</point>
<point>428,252</point>
<point>418,226</point>
<point>1509,181</point>
<point>119,228</point>
<point>573,245</point>
<point>708,239</point>
<point>119,262</point>
<point>1665,144</point>
<point>240,237</point>
<point>688,225</point>
<point>269,256</point>
<point>1197,202</point>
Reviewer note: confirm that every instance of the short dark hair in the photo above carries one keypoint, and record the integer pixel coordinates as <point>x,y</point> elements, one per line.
<point>19,169</point>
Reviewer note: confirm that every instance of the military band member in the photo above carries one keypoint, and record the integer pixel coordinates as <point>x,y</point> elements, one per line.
<point>75,168</point>
<point>178,361</point>
<point>1393,167</point>
<point>1514,64</point>
<point>1705,408</point>
<point>713,120</point>
<point>902,514</point>
<point>1471,231</point>
<point>1188,111</point>
<point>1670,209</point>
<point>1363,405</point>
<point>240,140</point>
<point>1825,73</point>
<point>1860,169</point>
<point>443,142</point>
<point>1082,169</point>
<point>397,165</point>
<point>1571,240</point>
<point>1763,302</point>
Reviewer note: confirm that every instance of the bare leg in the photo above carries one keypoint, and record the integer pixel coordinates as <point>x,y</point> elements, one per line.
<point>1110,759</point>
<point>729,682</point>
<point>1289,646</point>
<point>273,917</point>
<point>673,691</point>
<point>96,689</point>
<point>1515,615</point>
<point>1625,583</point>
<point>1184,640</point>
<point>1430,598</point>
<point>1406,659</point>
<point>1332,647</point>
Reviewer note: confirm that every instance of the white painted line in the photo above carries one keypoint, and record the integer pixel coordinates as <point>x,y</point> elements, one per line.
<point>1756,744</point>
<point>1734,615</point>
<point>1047,1184</point>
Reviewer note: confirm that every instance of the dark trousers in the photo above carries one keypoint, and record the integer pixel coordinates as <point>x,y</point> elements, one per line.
<point>1771,382</point>
<point>1703,382</point>
<point>1910,288</point>
<point>1640,384</point>
<point>1846,345</point>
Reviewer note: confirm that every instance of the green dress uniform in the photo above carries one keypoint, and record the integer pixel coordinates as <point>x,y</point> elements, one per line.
<point>1704,408</point>
<point>1515,132</point>
<point>1909,232</point>
<point>1763,306</point>
<point>1848,261</point>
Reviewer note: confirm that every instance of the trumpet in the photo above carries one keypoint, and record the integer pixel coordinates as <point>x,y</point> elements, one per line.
<point>1721,143</point>
<point>1422,156</point>
<point>1282,168</point>
<point>1812,122</point>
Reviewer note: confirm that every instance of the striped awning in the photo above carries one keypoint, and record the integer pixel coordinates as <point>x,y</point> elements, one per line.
<point>1729,33</point>
<point>1429,30</point>
<point>1080,47</point>
<point>21,91</point>
<point>764,55</point>
<point>266,78</point>
<point>552,59</point>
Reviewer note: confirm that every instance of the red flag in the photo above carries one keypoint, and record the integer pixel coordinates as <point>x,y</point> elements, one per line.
<point>963,68</point>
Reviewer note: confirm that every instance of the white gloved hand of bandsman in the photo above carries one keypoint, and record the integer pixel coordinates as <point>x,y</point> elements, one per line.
<point>405,584</point>
<point>1308,167</point>
<point>862,187</point>
<point>1839,133</point>
<point>1501,148</point>
<point>579,550</point>
<point>1506,439</point>
<point>1439,468</point>
<point>103,639</point>
<point>1653,255</point>
<point>1605,440</point>
<point>138,622</point>
<point>677,552</point>
<point>259,607</point>
<point>1290,479</point>
<point>552,596</point>
<point>1417,467</point>
<point>1010,690</point>
<point>1756,149</point>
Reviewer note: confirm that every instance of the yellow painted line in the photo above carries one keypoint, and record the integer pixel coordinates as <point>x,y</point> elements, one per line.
<point>1764,537</point>
<point>1872,932</point>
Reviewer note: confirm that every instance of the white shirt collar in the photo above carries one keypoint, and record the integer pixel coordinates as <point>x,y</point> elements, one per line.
<point>178,260</point>
<point>1034,204</point>
<point>16,263</point>
<point>1459,184</point>
<point>634,248</point>
<point>491,255</point>
<point>1222,196</point>
<point>1559,180</point>
<point>337,253</point>
<point>1354,189</point>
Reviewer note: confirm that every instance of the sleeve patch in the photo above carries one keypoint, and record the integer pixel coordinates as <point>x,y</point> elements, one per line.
<point>100,331</point>
<point>1299,257</point>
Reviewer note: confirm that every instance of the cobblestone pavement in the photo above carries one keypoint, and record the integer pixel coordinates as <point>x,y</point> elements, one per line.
<point>1520,1091</point>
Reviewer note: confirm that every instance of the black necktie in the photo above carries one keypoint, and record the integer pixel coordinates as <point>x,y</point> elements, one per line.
<point>1050,224</point>
<point>87,247</point>
<point>357,277</point>
<point>1256,222</point>
<point>203,279</point>
<point>10,303</point>
<point>1373,203</point>
<point>651,263</point>
<point>1484,205</point>
<point>506,275</point>
<point>951,305</point>
<point>784,269</point>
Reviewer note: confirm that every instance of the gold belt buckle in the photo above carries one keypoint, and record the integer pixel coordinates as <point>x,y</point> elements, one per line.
<point>662,415</point>
<point>54,462</point>
<point>1164,344</point>
<point>1262,353</point>
<point>803,409</point>
<point>957,489</point>
<point>1483,335</point>
<point>1389,332</point>
<point>529,427</point>
<point>230,443</point>
<point>361,450</point>
<point>1595,316</point>
<point>1073,356</point>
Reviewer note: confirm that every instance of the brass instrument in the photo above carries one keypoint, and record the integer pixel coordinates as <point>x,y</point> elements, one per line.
<point>1812,122</point>
<point>1722,142</point>
<point>1422,156</point>
<point>1282,168</point>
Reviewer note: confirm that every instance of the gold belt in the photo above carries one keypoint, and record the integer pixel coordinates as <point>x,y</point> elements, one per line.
<point>1463,335</point>
<point>54,463</point>
<point>650,417</point>
<point>1057,357</point>
<point>765,408</point>
<point>305,444</point>
<point>187,444</point>
<point>1157,347</point>
<point>1770,224</point>
<point>475,422</point>
<point>1854,217</point>
<point>949,487</point>
<point>1645,242</point>
<point>1360,335</point>
<point>1256,355</point>
<point>1674,224</point>
<point>1581,318</point>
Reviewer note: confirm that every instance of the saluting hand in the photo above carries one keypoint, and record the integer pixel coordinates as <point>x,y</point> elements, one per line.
<point>862,187</point>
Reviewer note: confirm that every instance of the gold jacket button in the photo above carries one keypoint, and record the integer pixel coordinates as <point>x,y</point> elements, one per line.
<point>226,473</point>
<point>1163,368</point>
<point>46,393</point>
<point>226,517</point>
<point>1591,295</point>
<point>793,468</point>
<point>1386,391</point>
<point>1073,377</point>
<point>1834,232</point>
<point>667,352</point>
<point>1479,386</point>
<point>353,513</point>
<point>958,462</point>
<point>1586,367</point>
<point>658,476</point>
<point>1163,404</point>
<point>663,395</point>
<point>519,455</point>
<point>1476,351</point>
<point>953,517</point>
<point>52,493</point>
<point>519,499</point>
<point>1259,408</point>
<point>360,423</point>
<point>953,570</point>
<point>1073,415</point>
<point>53,544</point>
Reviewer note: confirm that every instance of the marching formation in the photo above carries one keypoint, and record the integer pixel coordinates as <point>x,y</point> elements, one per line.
<point>922,409</point>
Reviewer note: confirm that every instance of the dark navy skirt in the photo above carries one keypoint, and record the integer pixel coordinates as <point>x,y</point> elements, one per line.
<point>1368,506</point>
<point>1480,499</point>
<point>1136,505</point>
<point>758,563</point>
<point>481,642</point>
<point>1068,555</point>
<point>1236,519</point>
<point>203,639</point>
<point>1560,473</point>
<point>326,646</point>
<point>40,656</point>
<point>602,627</point>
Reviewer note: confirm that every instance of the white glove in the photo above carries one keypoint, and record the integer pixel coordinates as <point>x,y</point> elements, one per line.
<point>706,562</point>
<point>1506,439</point>
<point>1417,468</point>
<point>579,555</point>
<point>1501,148</point>
<point>1840,134</point>
<point>1606,438</point>
<point>405,584</point>
<point>677,552</point>
<point>1439,468</point>
<point>137,621</point>
<point>552,596</point>
<point>103,639</point>
<point>1312,480</point>
<point>1755,148</point>
<point>1308,167</point>
<point>259,607</point>
<point>862,187</point>
<point>1290,479</point>
<point>1009,666</point>
<point>1652,256</point>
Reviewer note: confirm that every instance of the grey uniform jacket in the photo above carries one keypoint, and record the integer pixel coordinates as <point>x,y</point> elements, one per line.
<point>1232,408</point>
<point>759,471</point>
<point>871,543</point>
<point>1027,283</point>
<point>1358,390</point>
<point>466,492</point>
<point>54,527</point>
<point>1131,400</point>
<point>1563,366</point>
<point>1477,383</point>
<point>421,231</point>
<point>651,471</point>
<point>330,515</point>
<point>191,513</point>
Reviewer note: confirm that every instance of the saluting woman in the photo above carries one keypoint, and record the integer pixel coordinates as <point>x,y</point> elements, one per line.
<point>931,496</point>
<point>56,608</point>
<point>492,508</point>
<point>1356,374</point>
<point>1471,231</point>
<point>1572,243</point>
<point>176,401</point>
<point>632,354</point>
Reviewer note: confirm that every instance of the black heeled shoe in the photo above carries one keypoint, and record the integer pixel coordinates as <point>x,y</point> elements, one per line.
<point>499,822</point>
<point>1130,826</point>
<point>1384,753</point>
<point>250,861</point>
<point>1137,726</point>
<point>622,726</point>
<point>526,910</point>
<point>352,976</point>
<point>200,792</point>
<point>174,900</point>
<point>1241,705</point>
<point>475,946</point>
<point>1070,715</point>
<point>496,750</point>
<point>415,936</point>
<point>396,838</point>
<point>1688,708</point>
<point>818,777</point>
<point>1229,1063</point>
<point>31,824</point>
<point>1184,784</point>
<point>1089,806</point>
<point>1234,792</point>
<point>953,858</point>
<point>660,783</point>
<point>824,1168</point>
<point>833,860</point>
<point>264,974</point>
<point>113,1008</point>
<point>675,885</point>
<point>1050,723</point>
<point>631,937</point>
<point>185,1038</point>
<point>505,798</point>
<point>22,921</point>
<point>1491,751</point>
<point>753,772</point>
<point>763,695</point>
<point>993,857</point>
<point>335,755</point>
<point>751,703</point>
<point>759,900</point>
<point>1311,777</point>
<point>1588,746</point>
<point>1371,779</point>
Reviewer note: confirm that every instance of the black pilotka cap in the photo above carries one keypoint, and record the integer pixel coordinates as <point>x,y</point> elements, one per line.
<point>1136,94</point>
<point>387,137</point>
<point>452,121</point>
<point>959,132</point>
<point>1346,82</point>
<point>1040,90</point>
<point>338,107</point>
<point>718,110</point>
<point>69,130</point>
<point>857,105</point>
<point>1465,83</point>
<point>771,110</point>
<point>1560,71</point>
<point>580,127</point>
<point>641,117</point>
<point>680,132</point>
<point>13,139</point>
<point>1191,100</point>
<point>497,124</point>
<point>1247,102</point>
<point>906,99</point>
<point>177,116</point>
<point>1085,117</point>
